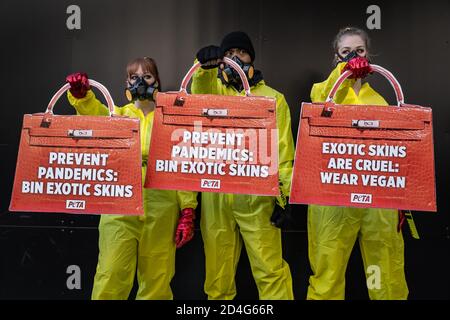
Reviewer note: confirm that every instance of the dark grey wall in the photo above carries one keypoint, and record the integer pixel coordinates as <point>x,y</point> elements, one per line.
<point>293,49</point>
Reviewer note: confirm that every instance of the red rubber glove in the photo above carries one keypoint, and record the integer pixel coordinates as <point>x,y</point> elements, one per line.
<point>79,84</point>
<point>359,66</point>
<point>185,228</point>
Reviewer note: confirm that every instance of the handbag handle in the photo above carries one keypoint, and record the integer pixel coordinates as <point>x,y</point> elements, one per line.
<point>99,86</point>
<point>233,64</point>
<point>387,74</point>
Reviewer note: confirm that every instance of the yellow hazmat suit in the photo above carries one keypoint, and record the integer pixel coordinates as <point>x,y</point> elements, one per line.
<point>143,243</point>
<point>332,231</point>
<point>230,219</point>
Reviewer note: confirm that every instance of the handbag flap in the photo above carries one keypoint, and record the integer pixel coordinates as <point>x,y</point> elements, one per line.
<point>216,110</point>
<point>355,133</point>
<point>82,122</point>
<point>217,122</point>
<point>220,112</point>
<point>408,122</point>
<point>364,112</point>
<point>176,103</point>
<point>367,123</point>
<point>82,131</point>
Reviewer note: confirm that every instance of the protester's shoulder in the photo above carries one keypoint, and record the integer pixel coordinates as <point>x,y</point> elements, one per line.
<point>269,91</point>
<point>126,110</point>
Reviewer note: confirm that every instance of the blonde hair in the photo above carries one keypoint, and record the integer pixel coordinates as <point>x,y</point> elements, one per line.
<point>351,31</point>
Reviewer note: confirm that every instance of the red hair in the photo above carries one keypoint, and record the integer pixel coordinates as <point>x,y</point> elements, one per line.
<point>147,64</point>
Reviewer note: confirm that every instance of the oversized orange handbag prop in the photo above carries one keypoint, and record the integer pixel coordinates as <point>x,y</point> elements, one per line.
<point>78,164</point>
<point>214,143</point>
<point>365,155</point>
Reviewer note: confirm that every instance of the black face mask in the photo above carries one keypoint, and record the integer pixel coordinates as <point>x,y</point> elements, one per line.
<point>231,76</point>
<point>141,90</point>
<point>348,57</point>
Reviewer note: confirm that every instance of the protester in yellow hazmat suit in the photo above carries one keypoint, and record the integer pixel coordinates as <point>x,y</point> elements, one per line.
<point>143,243</point>
<point>332,231</point>
<point>228,220</point>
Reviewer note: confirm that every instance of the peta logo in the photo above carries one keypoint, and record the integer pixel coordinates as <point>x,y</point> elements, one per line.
<point>360,198</point>
<point>210,184</point>
<point>75,204</point>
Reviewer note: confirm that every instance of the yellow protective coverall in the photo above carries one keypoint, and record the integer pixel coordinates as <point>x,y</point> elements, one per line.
<point>332,231</point>
<point>145,243</point>
<point>229,219</point>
